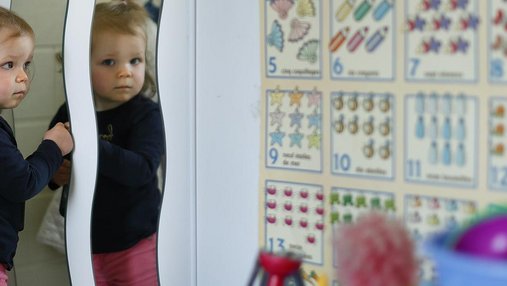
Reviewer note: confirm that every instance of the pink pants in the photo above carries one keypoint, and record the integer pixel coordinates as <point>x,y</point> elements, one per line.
<point>3,275</point>
<point>135,266</point>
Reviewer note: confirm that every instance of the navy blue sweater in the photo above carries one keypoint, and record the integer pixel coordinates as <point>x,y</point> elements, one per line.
<point>127,200</point>
<point>21,179</point>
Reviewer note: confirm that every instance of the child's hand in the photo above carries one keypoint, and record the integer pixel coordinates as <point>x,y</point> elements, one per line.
<point>61,136</point>
<point>62,176</point>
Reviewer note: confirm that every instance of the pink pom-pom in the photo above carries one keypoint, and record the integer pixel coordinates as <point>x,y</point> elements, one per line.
<point>376,250</point>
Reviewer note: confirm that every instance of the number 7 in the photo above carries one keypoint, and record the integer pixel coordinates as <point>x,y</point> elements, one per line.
<point>415,65</point>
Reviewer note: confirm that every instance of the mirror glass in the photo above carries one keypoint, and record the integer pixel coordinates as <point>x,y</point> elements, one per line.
<point>127,197</point>
<point>40,258</point>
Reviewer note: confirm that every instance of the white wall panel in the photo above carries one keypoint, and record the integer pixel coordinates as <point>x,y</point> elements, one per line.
<point>228,123</point>
<point>175,66</point>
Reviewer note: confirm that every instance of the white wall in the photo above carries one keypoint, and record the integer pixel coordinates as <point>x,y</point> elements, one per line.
<point>228,126</point>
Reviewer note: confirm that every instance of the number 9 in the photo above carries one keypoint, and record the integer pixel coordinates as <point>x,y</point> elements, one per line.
<point>273,154</point>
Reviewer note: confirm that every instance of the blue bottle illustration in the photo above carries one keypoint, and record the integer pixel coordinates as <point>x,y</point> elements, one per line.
<point>433,103</point>
<point>461,104</point>
<point>419,103</point>
<point>446,154</point>
<point>460,129</point>
<point>419,128</point>
<point>447,104</point>
<point>433,153</point>
<point>461,155</point>
<point>446,129</point>
<point>433,132</point>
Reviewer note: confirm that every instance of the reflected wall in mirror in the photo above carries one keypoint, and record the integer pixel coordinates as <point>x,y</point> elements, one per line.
<point>131,146</point>
<point>36,261</point>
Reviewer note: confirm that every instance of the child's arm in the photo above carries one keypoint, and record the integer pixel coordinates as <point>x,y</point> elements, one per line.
<point>136,164</point>
<point>61,136</point>
<point>24,178</point>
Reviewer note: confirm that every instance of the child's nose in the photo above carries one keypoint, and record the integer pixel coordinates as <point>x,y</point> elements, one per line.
<point>124,71</point>
<point>22,76</point>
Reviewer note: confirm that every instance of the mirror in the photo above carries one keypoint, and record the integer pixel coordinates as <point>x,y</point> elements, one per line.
<point>131,146</point>
<point>37,261</point>
<point>127,199</point>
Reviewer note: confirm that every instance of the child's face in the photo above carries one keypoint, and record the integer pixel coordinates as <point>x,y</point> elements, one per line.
<point>117,66</point>
<point>16,54</point>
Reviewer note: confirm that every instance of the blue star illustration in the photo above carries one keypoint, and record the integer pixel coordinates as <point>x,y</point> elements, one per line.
<point>473,22</point>
<point>419,23</point>
<point>445,22</point>
<point>462,4</point>
<point>295,139</point>
<point>314,120</point>
<point>462,45</point>
<point>435,4</point>
<point>434,45</point>
<point>295,118</point>
<point>277,137</point>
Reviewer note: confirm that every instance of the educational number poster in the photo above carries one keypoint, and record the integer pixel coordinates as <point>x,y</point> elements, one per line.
<point>393,105</point>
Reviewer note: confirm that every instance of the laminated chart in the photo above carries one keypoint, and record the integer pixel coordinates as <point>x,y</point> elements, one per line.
<point>425,215</point>
<point>361,44</point>
<point>362,134</point>
<point>497,158</point>
<point>497,35</point>
<point>440,141</point>
<point>293,39</point>
<point>294,129</point>
<point>403,111</point>
<point>348,204</point>
<point>441,42</point>
<point>294,219</point>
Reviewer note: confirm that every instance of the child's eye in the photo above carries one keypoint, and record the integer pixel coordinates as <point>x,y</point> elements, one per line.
<point>108,62</point>
<point>8,65</point>
<point>135,61</point>
<point>27,65</point>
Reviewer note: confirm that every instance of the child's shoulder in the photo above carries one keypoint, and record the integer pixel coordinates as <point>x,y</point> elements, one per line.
<point>5,130</point>
<point>145,102</point>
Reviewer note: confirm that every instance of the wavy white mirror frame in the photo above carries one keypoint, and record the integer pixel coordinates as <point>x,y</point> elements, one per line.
<point>176,81</point>
<point>76,70</point>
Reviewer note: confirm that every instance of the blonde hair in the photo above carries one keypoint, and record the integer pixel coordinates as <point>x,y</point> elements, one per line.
<point>125,17</point>
<point>16,24</point>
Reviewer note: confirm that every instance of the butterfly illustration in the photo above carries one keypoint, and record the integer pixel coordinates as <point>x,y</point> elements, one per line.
<point>308,51</point>
<point>282,7</point>
<point>275,38</point>
<point>298,30</point>
<point>305,8</point>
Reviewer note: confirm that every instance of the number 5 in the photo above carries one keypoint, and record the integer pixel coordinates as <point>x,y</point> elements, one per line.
<point>272,64</point>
